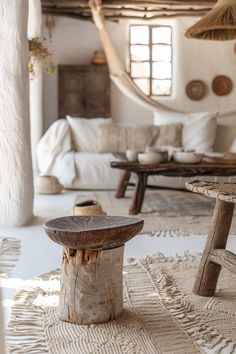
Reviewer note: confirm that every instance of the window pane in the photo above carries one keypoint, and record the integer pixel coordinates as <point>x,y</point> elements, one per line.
<point>143,84</point>
<point>161,52</point>
<point>140,69</point>
<point>161,87</point>
<point>161,35</point>
<point>139,52</point>
<point>161,70</point>
<point>139,35</point>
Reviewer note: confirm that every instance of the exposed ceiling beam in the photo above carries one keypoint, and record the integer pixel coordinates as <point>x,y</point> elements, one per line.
<point>131,9</point>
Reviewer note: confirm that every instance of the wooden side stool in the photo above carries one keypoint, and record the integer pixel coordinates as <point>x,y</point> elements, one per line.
<point>215,255</point>
<point>92,265</point>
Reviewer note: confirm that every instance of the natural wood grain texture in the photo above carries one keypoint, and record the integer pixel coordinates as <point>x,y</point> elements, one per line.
<point>92,279</point>
<point>208,271</point>
<point>84,91</point>
<point>122,184</point>
<point>225,259</point>
<point>91,286</point>
<point>177,169</point>
<point>139,193</point>
<point>93,232</point>
<point>171,169</point>
<point>132,9</point>
<point>222,191</point>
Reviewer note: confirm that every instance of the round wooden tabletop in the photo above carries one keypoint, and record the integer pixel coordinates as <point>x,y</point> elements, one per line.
<point>93,232</point>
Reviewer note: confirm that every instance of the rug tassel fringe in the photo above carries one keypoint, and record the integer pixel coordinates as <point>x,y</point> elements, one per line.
<point>25,332</point>
<point>182,310</point>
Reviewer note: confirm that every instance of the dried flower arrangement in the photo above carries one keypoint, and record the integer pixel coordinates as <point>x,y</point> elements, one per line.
<point>37,51</point>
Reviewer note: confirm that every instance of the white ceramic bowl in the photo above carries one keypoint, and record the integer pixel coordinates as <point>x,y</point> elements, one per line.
<point>186,157</point>
<point>150,158</point>
<point>132,155</point>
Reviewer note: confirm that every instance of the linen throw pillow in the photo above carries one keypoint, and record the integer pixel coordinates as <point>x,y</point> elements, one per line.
<point>169,134</point>
<point>84,132</point>
<point>199,129</point>
<point>119,138</point>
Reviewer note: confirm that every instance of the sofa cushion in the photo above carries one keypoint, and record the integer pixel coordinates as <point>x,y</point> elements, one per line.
<point>199,129</point>
<point>84,132</point>
<point>119,138</point>
<point>168,135</point>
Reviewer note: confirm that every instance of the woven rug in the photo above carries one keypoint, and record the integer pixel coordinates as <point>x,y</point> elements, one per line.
<point>160,315</point>
<point>175,203</point>
<point>9,254</point>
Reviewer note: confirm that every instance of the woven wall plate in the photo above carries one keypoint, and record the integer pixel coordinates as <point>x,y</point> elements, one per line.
<point>222,85</point>
<point>196,90</point>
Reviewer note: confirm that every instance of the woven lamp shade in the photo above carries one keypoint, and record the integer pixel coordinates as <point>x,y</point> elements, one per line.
<point>219,24</point>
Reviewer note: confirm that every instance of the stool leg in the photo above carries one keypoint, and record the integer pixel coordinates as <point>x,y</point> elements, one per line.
<point>91,285</point>
<point>208,272</point>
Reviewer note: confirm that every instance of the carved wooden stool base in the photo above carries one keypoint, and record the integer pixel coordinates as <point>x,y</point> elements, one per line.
<point>91,285</point>
<point>92,265</point>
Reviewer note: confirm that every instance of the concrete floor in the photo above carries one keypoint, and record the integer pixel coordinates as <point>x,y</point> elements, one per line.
<point>39,254</point>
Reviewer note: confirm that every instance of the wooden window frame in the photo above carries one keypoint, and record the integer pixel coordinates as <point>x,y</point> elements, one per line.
<point>150,61</point>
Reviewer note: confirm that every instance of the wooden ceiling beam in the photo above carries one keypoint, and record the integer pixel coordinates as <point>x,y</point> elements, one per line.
<point>131,9</point>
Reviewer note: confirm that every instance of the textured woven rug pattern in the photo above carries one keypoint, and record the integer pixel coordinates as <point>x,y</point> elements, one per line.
<point>160,315</point>
<point>9,253</point>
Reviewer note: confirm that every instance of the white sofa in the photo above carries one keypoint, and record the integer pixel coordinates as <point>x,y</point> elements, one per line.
<point>90,170</point>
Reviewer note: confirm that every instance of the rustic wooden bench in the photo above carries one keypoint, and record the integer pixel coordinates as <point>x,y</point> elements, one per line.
<point>215,255</point>
<point>92,265</point>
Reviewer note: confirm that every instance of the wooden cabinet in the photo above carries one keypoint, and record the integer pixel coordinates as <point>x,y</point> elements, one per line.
<point>84,91</point>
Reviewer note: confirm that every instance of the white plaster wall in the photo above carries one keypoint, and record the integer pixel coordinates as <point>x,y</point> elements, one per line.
<point>75,41</point>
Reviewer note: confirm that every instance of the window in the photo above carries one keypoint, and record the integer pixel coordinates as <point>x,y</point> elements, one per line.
<point>151,58</point>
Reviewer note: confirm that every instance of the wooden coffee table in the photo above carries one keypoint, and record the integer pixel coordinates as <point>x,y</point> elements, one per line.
<point>170,169</point>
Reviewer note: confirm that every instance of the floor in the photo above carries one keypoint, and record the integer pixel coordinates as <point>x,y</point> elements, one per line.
<point>39,254</point>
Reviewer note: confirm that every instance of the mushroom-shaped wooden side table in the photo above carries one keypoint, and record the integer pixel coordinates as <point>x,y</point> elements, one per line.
<point>92,265</point>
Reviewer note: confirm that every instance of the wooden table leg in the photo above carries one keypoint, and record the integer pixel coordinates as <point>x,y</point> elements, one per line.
<point>122,185</point>
<point>137,201</point>
<point>208,271</point>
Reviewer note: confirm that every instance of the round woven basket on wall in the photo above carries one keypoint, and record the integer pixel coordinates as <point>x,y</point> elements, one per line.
<point>47,185</point>
<point>88,207</point>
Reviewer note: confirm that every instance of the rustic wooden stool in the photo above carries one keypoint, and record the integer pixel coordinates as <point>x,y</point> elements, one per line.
<point>215,255</point>
<point>92,265</point>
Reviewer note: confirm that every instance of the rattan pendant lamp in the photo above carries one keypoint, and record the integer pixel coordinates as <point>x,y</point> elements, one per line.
<point>218,24</point>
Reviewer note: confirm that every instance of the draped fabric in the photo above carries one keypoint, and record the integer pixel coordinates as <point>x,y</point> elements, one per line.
<point>117,70</point>
<point>118,74</point>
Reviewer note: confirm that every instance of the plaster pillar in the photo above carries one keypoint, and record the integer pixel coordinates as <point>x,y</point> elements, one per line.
<point>36,83</point>
<point>16,182</point>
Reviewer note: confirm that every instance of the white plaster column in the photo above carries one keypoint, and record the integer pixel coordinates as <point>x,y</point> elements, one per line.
<point>36,83</point>
<point>16,183</point>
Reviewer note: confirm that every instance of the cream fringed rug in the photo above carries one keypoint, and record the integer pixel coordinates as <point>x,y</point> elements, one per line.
<point>160,315</point>
<point>9,253</point>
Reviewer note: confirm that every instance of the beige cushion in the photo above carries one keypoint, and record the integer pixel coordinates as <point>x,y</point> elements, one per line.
<point>119,138</point>
<point>199,129</point>
<point>169,134</point>
<point>84,132</point>
<point>225,136</point>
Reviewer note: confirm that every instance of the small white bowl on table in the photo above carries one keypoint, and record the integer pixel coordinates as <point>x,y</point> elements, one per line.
<point>152,158</point>
<point>132,155</point>
<point>187,157</point>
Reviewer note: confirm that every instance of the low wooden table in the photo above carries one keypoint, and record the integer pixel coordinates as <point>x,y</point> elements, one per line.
<point>171,169</point>
<point>92,265</point>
